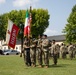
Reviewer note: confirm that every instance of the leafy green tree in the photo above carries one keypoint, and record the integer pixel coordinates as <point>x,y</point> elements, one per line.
<point>3,25</point>
<point>40,20</point>
<point>70,28</point>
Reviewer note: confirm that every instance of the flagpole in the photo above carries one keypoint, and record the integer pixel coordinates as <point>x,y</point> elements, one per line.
<point>21,32</point>
<point>30,16</point>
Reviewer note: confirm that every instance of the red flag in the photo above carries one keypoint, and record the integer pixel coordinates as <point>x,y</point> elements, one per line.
<point>12,32</point>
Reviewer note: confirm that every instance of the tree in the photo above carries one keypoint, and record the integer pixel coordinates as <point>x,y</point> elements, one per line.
<point>3,25</point>
<point>70,28</point>
<point>40,20</point>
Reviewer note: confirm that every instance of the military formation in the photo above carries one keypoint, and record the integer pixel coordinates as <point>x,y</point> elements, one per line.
<point>41,50</point>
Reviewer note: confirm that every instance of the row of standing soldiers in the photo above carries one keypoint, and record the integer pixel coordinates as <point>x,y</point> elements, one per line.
<point>43,49</point>
<point>70,49</point>
<point>41,46</point>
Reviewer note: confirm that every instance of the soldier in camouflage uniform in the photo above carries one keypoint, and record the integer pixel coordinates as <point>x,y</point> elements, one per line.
<point>58,49</point>
<point>71,51</point>
<point>39,49</point>
<point>74,51</point>
<point>63,51</point>
<point>66,50</point>
<point>50,44</point>
<point>45,44</point>
<point>54,52</point>
<point>26,48</point>
<point>33,52</point>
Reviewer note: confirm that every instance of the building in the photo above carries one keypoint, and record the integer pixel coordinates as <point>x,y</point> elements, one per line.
<point>1,43</point>
<point>59,38</point>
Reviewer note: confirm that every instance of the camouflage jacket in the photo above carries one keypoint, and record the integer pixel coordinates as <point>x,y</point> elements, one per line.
<point>54,49</point>
<point>45,43</point>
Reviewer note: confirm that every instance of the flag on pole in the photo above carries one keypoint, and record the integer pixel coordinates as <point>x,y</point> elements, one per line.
<point>27,24</point>
<point>12,31</point>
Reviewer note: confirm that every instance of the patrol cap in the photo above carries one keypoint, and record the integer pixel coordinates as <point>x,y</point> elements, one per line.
<point>45,35</point>
<point>53,40</point>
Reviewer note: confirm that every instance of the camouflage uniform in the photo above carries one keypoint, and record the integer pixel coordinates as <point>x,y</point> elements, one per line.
<point>33,52</point>
<point>26,48</point>
<point>66,51</point>
<point>50,55</point>
<point>63,51</point>
<point>71,51</point>
<point>50,44</point>
<point>54,53</point>
<point>45,44</point>
<point>58,49</point>
<point>39,52</point>
<point>74,51</point>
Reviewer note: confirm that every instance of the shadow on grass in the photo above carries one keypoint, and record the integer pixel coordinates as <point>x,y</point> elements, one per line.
<point>58,66</point>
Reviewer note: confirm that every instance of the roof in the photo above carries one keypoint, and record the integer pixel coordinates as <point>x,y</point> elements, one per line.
<point>57,37</point>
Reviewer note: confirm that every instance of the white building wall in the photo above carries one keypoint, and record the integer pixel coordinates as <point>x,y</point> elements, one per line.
<point>4,47</point>
<point>17,47</point>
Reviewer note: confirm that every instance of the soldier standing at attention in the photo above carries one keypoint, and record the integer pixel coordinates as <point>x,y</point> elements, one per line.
<point>58,49</point>
<point>54,52</point>
<point>33,52</point>
<point>71,51</point>
<point>63,51</point>
<point>26,48</point>
<point>45,47</point>
<point>74,51</point>
<point>39,49</point>
<point>50,44</point>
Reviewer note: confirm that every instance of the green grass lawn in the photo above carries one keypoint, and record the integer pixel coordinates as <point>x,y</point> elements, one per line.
<point>14,65</point>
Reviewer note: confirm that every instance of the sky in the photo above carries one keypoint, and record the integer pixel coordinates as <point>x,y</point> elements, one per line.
<point>59,11</point>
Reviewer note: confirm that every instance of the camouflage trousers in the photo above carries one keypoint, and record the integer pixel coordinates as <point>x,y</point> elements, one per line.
<point>33,56</point>
<point>58,55</point>
<point>39,56</point>
<point>74,54</point>
<point>46,56</point>
<point>71,54</point>
<point>27,57</point>
<point>63,55</point>
<point>55,57</point>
